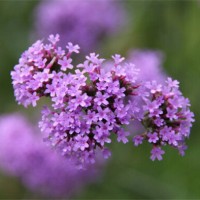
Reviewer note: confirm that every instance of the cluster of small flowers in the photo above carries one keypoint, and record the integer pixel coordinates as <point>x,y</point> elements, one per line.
<point>90,102</point>
<point>35,164</point>
<point>167,118</point>
<point>150,64</point>
<point>37,75</point>
<point>83,22</point>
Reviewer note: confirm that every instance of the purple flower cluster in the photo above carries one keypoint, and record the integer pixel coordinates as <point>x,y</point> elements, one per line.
<point>166,117</point>
<point>37,75</point>
<point>83,22</point>
<point>91,105</point>
<point>88,103</point>
<point>92,101</point>
<point>150,64</point>
<point>40,169</point>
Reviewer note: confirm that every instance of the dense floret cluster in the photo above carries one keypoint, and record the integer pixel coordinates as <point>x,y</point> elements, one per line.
<point>36,165</point>
<point>88,103</point>
<point>92,101</point>
<point>167,118</point>
<point>150,64</point>
<point>92,108</point>
<point>84,22</point>
<point>40,71</point>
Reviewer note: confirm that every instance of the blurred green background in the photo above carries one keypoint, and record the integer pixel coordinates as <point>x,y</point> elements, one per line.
<point>170,26</point>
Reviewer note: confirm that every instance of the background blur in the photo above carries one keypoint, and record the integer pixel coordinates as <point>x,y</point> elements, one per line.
<point>170,26</point>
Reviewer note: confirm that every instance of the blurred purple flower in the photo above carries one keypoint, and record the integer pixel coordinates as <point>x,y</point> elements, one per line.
<point>156,153</point>
<point>150,63</point>
<point>80,21</point>
<point>42,170</point>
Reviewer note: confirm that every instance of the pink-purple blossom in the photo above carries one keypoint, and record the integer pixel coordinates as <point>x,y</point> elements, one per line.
<point>138,139</point>
<point>76,95</point>
<point>156,153</point>
<point>83,22</point>
<point>24,155</point>
<point>150,63</point>
<point>165,122</point>
<point>95,99</point>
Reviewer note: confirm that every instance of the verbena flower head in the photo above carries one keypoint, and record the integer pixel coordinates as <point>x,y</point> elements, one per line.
<point>38,67</point>
<point>89,104</point>
<point>92,101</point>
<point>84,22</point>
<point>167,118</point>
<point>23,154</point>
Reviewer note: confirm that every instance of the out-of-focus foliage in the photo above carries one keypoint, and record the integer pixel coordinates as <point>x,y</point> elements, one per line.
<point>170,26</point>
